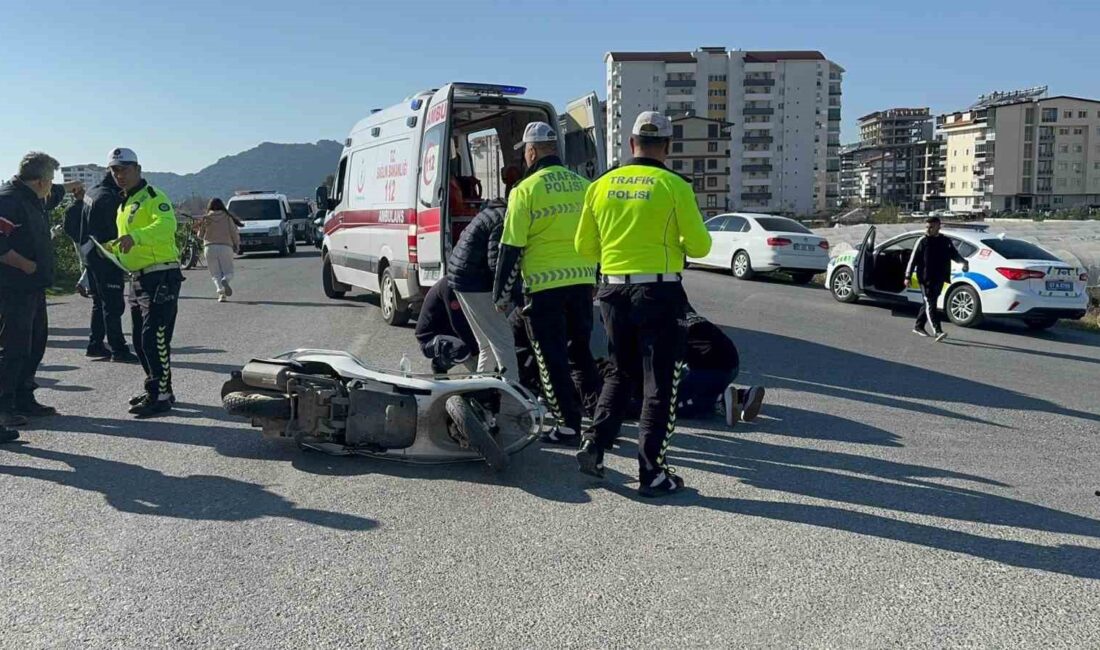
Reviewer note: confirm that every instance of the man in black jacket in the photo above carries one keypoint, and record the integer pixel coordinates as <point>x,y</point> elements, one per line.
<point>931,261</point>
<point>442,329</point>
<point>94,216</point>
<point>26,271</point>
<point>470,272</point>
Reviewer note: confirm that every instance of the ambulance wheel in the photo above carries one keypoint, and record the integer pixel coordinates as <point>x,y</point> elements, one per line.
<point>742,266</point>
<point>963,306</point>
<point>328,281</point>
<point>395,311</point>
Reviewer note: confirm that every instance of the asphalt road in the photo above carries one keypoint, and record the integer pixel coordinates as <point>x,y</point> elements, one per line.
<point>894,492</point>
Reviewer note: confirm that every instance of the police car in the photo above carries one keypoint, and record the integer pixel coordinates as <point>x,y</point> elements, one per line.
<point>1007,278</point>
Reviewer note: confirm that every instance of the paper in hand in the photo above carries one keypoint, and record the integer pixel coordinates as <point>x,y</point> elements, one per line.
<point>107,254</point>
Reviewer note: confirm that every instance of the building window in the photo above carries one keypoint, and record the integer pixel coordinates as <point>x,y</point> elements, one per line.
<point>712,201</point>
<point>712,146</point>
<point>698,184</point>
<point>1061,182</point>
<point>1082,114</point>
<point>712,130</point>
<point>677,164</point>
<point>1079,131</point>
<point>677,147</point>
<point>712,181</point>
<point>1063,166</point>
<point>677,131</point>
<point>952,185</point>
<point>966,168</point>
<point>1078,148</point>
<point>952,169</point>
<point>1067,114</point>
<point>1029,116</point>
<point>1050,114</point>
<point>1064,148</point>
<point>1063,131</point>
<point>712,163</point>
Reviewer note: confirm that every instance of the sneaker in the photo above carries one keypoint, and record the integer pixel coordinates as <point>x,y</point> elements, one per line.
<point>221,297</point>
<point>98,351</point>
<point>12,419</point>
<point>31,407</point>
<point>564,436</point>
<point>149,408</point>
<point>753,399</point>
<point>124,356</point>
<point>8,435</point>
<point>920,331</point>
<point>141,397</point>
<point>664,485</point>
<point>228,289</point>
<point>940,336</point>
<point>590,459</point>
<point>731,405</point>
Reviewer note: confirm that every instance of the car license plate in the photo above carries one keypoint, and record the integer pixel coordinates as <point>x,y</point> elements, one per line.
<point>1054,285</point>
<point>804,247</point>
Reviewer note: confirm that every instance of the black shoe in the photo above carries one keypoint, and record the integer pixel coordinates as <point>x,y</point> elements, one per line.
<point>563,436</point>
<point>140,397</point>
<point>31,407</point>
<point>754,397</point>
<point>11,418</point>
<point>151,408</point>
<point>8,435</point>
<point>590,459</point>
<point>124,356</point>
<point>98,351</point>
<point>664,485</point>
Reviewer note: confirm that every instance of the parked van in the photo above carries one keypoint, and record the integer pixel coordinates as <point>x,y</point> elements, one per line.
<point>405,188</point>
<point>266,216</point>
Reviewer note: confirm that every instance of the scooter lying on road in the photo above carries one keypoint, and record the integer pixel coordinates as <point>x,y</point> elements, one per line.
<point>330,401</point>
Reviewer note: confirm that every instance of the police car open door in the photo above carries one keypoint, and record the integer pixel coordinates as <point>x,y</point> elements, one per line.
<point>582,125</point>
<point>432,245</point>
<point>865,263</point>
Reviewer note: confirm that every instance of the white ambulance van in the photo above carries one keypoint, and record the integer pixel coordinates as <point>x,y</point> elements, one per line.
<point>405,188</point>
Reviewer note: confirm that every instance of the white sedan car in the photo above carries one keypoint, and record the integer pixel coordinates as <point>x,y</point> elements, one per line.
<point>748,244</point>
<point>1007,278</point>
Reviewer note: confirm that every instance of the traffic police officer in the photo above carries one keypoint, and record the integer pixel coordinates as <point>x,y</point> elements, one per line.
<point>639,222</point>
<point>147,248</point>
<point>539,231</point>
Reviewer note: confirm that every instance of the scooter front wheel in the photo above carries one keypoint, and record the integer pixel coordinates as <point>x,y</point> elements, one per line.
<point>476,432</point>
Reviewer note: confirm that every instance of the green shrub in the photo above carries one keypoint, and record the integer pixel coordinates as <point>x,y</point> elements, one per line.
<point>67,271</point>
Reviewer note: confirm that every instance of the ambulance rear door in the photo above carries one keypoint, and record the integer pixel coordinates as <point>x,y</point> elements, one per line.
<point>432,186</point>
<point>583,126</point>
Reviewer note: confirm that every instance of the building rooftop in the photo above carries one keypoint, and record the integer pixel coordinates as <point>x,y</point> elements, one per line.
<point>667,57</point>
<point>750,57</point>
<point>898,112</point>
<point>783,55</point>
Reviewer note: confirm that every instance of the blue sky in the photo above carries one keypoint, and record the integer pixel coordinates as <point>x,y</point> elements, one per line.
<point>185,83</point>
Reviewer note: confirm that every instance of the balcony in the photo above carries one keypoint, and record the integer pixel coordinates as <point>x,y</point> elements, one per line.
<point>679,83</point>
<point>758,111</point>
<point>759,82</point>
<point>835,92</point>
<point>756,196</point>
<point>757,139</point>
<point>756,168</point>
<point>834,114</point>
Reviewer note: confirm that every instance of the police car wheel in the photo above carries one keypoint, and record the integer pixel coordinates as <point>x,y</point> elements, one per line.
<point>742,266</point>
<point>841,285</point>
<point>963,306</point>
<point>395,311</point>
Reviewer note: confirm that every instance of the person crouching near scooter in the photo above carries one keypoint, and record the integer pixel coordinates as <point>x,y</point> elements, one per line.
<point>442,331</point>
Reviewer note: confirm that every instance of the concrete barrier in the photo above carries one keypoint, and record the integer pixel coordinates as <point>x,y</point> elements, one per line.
<point>1076,242</point>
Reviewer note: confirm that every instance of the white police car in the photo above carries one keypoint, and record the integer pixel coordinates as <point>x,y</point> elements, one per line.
<point>1007,278</point>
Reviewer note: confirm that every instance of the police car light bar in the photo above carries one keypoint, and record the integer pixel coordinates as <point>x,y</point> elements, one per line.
<point>490,89</point>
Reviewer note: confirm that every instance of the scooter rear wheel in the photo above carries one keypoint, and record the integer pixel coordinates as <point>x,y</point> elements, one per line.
<point>477,432</point>
<point>257,405</point>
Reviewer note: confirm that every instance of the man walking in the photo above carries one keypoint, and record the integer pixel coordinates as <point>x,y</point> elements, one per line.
<point>639,223</point>
<point>147,248</point>
<point>93,215</point>
<point>26,271</point>
<point>931,261</point>
<point>539,232</point>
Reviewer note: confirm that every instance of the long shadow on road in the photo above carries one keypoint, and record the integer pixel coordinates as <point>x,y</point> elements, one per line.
<point>131,488</point>
<point>816,368</point>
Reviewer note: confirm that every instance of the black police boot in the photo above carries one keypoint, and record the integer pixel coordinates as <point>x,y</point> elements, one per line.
<point>560,435</point>
<point>141,397</point>
<point>662,485</point>
<point>97,351</point>
<point>124,356</point>
<point>590,459</point>
<point>27,405</point>
<point>8,435</point>
<point>151,407</point>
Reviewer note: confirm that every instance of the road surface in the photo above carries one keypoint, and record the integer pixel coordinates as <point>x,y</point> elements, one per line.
<point>894,492</point>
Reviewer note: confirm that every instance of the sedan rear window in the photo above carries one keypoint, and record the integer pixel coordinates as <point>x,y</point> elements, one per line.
<point>779,224</point>
<point>1018,249</point>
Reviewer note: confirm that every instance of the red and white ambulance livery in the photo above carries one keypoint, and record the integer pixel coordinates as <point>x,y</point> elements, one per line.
<point>410,178</point>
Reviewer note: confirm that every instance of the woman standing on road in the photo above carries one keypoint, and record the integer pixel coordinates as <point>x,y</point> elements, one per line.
<point>222,240</point>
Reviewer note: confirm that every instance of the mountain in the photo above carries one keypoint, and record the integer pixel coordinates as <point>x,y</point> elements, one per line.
<point>292,169</point>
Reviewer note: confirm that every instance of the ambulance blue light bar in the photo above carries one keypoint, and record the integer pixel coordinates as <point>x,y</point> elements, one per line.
<point>490,89</point>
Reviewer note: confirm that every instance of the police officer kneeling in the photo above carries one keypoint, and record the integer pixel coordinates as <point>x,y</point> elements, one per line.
<point>147,248</point>
<point>639,222</point>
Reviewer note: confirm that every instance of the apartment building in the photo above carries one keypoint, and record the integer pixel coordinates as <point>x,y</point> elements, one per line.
<point>701,151</point>
<point>783,107</point>
<point>88,174</point>
<point>889,163</point>
<point>1022,150</point>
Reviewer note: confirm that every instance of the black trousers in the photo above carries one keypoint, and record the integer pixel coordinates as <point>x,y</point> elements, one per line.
<point>646,335</point>
<point>559,324</point>
<point>24,329</point>
<point>931,291</point>
<point>154,301</point>
<point>108,303</point>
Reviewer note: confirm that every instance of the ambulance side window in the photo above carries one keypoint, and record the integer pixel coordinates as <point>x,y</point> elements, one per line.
<point>340,176</point>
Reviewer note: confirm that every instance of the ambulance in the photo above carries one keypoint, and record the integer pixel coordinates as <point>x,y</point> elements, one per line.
<point>406,187</point>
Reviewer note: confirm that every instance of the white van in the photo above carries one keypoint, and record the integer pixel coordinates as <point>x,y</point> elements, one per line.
<point>267,221</point>
<point>405,188</point>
